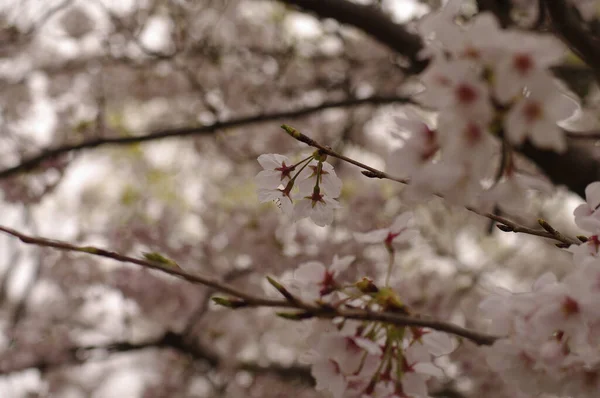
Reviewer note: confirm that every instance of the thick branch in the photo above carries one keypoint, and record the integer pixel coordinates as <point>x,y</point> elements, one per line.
<point>169,340</point>
<point>243,299</point>
<point>573,34</point>
<point>575,169</point>
<point>370,20</point>
<point>37,160</point>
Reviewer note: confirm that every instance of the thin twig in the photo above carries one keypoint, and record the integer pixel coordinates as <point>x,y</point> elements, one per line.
<point>244,299</point>
<point>507,225</point>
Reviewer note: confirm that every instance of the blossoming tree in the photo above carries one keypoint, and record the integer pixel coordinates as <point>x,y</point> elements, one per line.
<point>421,249</point>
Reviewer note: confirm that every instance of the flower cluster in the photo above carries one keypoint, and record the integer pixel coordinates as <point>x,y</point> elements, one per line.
<point>553,342</point>
<point>363,360</point>
<point>317,186</point>
<point>488,85</point>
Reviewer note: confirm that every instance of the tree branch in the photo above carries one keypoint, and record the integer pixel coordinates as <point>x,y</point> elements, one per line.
<point>506,224</point>
<point>51,153</point>
<point>247,300</point>
<point>169,340</point>
<point>581,42</point>
<point>370,20</point>
<point>575,169</point>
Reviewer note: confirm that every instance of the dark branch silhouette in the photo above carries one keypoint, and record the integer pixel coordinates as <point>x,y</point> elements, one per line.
<point>51,153</point>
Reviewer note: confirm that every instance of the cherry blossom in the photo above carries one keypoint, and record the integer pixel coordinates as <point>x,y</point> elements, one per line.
<point>279,196</point>
<point>398,232</point>
<point>328,182</point>
<point>278,170</point>
<point>511,192</point>
<point>536,115</point>
<point>272,183</point>
<point>314,280</point>
<point>318,207</point>
<point>301,190</point>
<point>419,145</point>
<point>525,57</point>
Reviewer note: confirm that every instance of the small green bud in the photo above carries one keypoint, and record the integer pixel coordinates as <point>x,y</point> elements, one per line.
<point>232,303</point>
<point>281,289</point>
<point>295,316</point>
<point>159,258</point>
<point>366,285</point>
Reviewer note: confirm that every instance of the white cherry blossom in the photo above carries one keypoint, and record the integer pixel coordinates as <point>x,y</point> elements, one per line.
<point>279,196</point>
<point>419,145</point>
<point>526,55</point>
<point>318,207</point>
<point>313,280</point>
<point>277,171</point>
<point>535,116</point>
<point>329,183</point>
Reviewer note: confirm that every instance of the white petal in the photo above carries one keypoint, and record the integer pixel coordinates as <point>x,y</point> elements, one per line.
<point>272,160</point>
<point>322,214</point>
<point>438,343</point>
<point>401,222</point>
<point>302,209</point>
<point>269,179</point>
<point>340,264</point>
<point>310,272</point>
